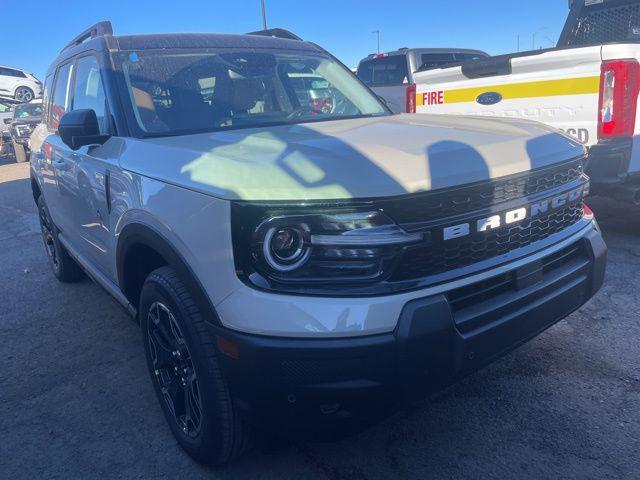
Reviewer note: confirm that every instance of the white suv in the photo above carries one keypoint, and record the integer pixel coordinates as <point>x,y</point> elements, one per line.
<point>18,84</point>
<point>298,257</point>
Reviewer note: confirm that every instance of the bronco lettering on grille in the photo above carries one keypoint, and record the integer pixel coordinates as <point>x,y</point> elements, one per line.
<point>514,216</point>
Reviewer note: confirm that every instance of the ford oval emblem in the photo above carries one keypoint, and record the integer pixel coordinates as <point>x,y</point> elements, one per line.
<point>489,98</point>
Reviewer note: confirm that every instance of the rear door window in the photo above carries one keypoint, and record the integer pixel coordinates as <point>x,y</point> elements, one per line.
<point>391,70</point>
<point>10,72</point>
<point>602,22</point>
<point>60,100</point>
<point>46,96</point>
<point>433,60</point>
<point>464,57</point>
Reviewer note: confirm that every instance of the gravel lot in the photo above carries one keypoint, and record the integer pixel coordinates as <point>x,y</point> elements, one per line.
<point>76,400</point>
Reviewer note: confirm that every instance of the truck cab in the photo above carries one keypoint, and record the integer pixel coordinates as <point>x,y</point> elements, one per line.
<point>587,86</point>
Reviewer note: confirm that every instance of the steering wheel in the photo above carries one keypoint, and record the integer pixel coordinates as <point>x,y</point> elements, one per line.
<point>298,112</point>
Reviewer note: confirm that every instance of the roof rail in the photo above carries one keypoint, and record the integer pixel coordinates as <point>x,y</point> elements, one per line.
<point>100,29</point>
<point>278,33</point>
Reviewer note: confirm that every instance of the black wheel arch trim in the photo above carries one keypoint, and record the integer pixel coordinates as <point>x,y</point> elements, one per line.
<point>141,234</point>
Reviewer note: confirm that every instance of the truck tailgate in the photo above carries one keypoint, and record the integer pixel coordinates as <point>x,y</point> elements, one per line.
<point>556,87</point>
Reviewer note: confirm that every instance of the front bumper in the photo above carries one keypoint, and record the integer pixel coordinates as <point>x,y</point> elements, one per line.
<point>438,339</point>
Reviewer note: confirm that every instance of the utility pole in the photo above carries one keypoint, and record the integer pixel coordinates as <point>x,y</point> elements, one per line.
<point>264,16</point>
<point>533,37</point>
<point>377,32</point>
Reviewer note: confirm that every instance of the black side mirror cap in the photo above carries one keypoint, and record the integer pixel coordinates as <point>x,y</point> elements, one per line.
<point>78,128</point>
<point>7,121</point>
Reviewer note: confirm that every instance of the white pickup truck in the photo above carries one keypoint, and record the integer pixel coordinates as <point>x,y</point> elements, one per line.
<point>587,86</point>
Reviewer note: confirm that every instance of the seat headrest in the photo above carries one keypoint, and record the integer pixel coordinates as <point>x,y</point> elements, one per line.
<point>246,92</point>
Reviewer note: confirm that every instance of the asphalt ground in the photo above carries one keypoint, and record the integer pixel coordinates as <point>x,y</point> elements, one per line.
<point>76,400</point>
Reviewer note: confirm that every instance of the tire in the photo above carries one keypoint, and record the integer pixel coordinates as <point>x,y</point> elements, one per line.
<point>24,94</point>
<point>19,152</point>
<point>64,267</point>
<point>184,368</point>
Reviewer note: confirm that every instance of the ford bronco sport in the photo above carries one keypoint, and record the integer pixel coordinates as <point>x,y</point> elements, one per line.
<point>293,263</point>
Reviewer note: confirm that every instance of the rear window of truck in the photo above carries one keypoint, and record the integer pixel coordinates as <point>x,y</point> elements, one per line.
<point>391,70</point>
<point>609,22</point>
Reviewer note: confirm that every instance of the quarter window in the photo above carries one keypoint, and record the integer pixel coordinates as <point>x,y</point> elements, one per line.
<point>89,91</point>
<point>60,101</point>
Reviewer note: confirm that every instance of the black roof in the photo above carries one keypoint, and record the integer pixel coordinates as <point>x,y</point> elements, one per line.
<point>100,37</point>
<point>207,40</point>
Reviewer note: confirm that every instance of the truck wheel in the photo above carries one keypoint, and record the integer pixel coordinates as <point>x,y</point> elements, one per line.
<point>64,267</point>
<point>19,152</point>
<point>186,374</point>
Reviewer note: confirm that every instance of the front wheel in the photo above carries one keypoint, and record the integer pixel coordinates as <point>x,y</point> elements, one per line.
<point>186,374</point>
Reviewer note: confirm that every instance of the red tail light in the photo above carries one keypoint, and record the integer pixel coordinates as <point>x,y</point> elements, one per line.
<point>619,87</point>
<point>411,99</point>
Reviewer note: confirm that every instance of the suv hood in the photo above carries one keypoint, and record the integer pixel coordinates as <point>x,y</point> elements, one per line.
<point>361,158</point>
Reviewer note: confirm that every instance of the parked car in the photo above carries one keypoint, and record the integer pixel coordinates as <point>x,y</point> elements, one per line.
<point>6,112</point>
<point>587,86</point>
<point>19,85</point>
<point>25,117</point>
<point>390,75</point>
<point>292,267</point>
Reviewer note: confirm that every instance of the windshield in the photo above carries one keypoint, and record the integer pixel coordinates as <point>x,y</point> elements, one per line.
<point>391,70</point>
<point>178,92</point>
<point>27,110</point>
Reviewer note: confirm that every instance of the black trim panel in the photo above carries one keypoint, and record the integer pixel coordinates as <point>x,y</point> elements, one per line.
<point>139,234</point>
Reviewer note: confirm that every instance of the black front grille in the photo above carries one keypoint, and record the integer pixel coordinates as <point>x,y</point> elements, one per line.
<point>436,205</point>
<point>440,257</point>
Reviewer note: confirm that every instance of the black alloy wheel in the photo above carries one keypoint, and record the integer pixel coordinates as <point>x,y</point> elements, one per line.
<point>64,267</point>
<point>173,369</point>
<point>48,232</point>
<point>187,376</point>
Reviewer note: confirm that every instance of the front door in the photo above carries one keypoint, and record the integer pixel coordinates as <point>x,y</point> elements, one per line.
<point>84,173</point>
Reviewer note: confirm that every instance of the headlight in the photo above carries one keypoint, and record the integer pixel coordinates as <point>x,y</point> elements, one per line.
<point>296,251</point>
<point>286,248</point>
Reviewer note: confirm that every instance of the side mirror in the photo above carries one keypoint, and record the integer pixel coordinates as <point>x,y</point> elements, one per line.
<point>7,121</point>
<point>79,128</point>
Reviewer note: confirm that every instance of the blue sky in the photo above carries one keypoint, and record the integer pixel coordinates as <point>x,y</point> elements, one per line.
<point>342,26</point>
